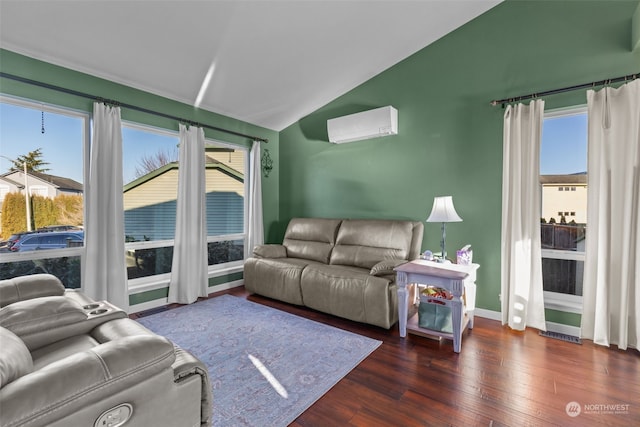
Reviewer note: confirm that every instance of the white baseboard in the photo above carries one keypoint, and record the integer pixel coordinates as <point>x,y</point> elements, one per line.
<point>488,314</point>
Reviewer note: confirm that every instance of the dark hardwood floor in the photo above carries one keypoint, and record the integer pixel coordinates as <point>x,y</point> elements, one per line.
<point>500,378</point>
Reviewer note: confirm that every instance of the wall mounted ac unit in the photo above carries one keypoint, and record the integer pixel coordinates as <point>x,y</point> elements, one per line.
<point>367,124</point>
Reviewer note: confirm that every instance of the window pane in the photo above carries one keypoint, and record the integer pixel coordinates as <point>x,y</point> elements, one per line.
<point>562,275</point>
<point>49,143</point>
<point>67,269</point>
<point>221,252</point>
<point>150,174</point>
<point>563,180</point>
<point>148,262</point>
<point>225,190</point>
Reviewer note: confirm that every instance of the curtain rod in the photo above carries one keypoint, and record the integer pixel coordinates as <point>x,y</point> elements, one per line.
<point>124,105</point>
<point>565,89</point>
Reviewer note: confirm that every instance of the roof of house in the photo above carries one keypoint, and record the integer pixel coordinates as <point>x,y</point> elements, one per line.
<point>576,178</point>
<point>59,182</point>
<point>10,181</point>
<point>209,164</point>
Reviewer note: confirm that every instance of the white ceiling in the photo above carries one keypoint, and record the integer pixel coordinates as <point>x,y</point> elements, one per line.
<point>274,61</point>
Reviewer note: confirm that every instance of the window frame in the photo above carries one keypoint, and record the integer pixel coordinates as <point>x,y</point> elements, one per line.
<point>158,281</point>
<point>86,141</point>
<point>556,300</point>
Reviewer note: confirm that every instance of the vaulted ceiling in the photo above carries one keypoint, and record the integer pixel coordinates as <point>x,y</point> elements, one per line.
<point>266,62</point>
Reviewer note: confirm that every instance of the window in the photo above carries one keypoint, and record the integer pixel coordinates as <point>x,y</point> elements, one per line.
<point>150,177</point>
<point>52,142</point>
<point>563,160</point>
<point>150,168</point>
<point>38,190</point>
<point>226,189</point>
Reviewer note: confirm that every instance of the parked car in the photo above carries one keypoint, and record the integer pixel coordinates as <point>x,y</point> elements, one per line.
<point>7,244</point>
<point>49,240</point>
<point>59,228</point>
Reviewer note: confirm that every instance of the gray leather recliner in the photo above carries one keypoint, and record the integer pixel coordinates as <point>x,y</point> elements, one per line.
<point>67,360</point>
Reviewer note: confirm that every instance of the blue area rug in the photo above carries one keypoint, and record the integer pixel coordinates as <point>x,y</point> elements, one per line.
<point>245,344</point>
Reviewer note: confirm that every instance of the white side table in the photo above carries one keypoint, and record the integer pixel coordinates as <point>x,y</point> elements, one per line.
<point>457,279</point>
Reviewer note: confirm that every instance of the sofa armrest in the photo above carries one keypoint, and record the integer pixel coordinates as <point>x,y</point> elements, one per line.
<point>28,287</point>
<point>386,266</point>
<point>68,385</point>
<point>270,251</point>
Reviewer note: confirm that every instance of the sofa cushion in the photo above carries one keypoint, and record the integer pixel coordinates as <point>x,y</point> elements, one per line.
<point>311,238</point>
<point>349,292</point>
<point>277,278</point>
<point>364,243</point>
<point>15,360</point>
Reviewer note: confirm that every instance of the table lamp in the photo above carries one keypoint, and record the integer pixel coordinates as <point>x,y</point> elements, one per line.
<point>443,211</point>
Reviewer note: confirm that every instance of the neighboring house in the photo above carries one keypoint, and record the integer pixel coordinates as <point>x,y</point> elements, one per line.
<point>150,201</point>
<point>564,195</point>
<point>39,184</point>
<point>8,186</point>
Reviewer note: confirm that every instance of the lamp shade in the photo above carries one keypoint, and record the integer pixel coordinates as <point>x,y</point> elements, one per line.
<point>443,210</point>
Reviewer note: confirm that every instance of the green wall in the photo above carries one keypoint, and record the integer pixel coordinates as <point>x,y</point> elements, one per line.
<point>13,63</point>
<point>450,138</point>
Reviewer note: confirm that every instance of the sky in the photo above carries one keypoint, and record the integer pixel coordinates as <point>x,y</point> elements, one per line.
<point>564,145</point>
<point>61,143</point>
<point>563,151</point>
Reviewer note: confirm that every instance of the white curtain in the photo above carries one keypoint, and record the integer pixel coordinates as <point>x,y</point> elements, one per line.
<point>104,271</point>
<point>189,268</point>
<point>611,299</point>
<point>255,230</point>
<point>521,275</point>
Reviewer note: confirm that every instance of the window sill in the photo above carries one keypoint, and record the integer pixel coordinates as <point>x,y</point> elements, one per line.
<point>563,302</point>
<point>162,281</point>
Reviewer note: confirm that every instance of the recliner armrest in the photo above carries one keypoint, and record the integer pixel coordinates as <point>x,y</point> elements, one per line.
<point>28,287</point>
<point>68,385</point>
<point>42,321</point>
<point>184,367</point>
<point>270,251</point>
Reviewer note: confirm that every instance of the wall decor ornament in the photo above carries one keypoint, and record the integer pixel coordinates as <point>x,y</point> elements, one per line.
<point>267,163</point>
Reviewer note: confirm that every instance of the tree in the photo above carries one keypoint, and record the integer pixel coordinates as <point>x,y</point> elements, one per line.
<point>69,209</point>
<point>44,211</point>
<point>34,162</point>
<point>155,161</point>
<point>13,214</point>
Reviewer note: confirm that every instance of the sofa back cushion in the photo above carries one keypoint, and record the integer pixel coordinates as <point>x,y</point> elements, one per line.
<point>364,243</point>
<point>311,238</point>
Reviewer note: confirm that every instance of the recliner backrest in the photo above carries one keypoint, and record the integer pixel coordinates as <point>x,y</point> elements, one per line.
<point>311,238</point>
<point>364,243</point>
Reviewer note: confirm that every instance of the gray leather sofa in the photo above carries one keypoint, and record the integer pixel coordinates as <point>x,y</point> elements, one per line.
<point>67,360</point>
<point>342,267</point>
